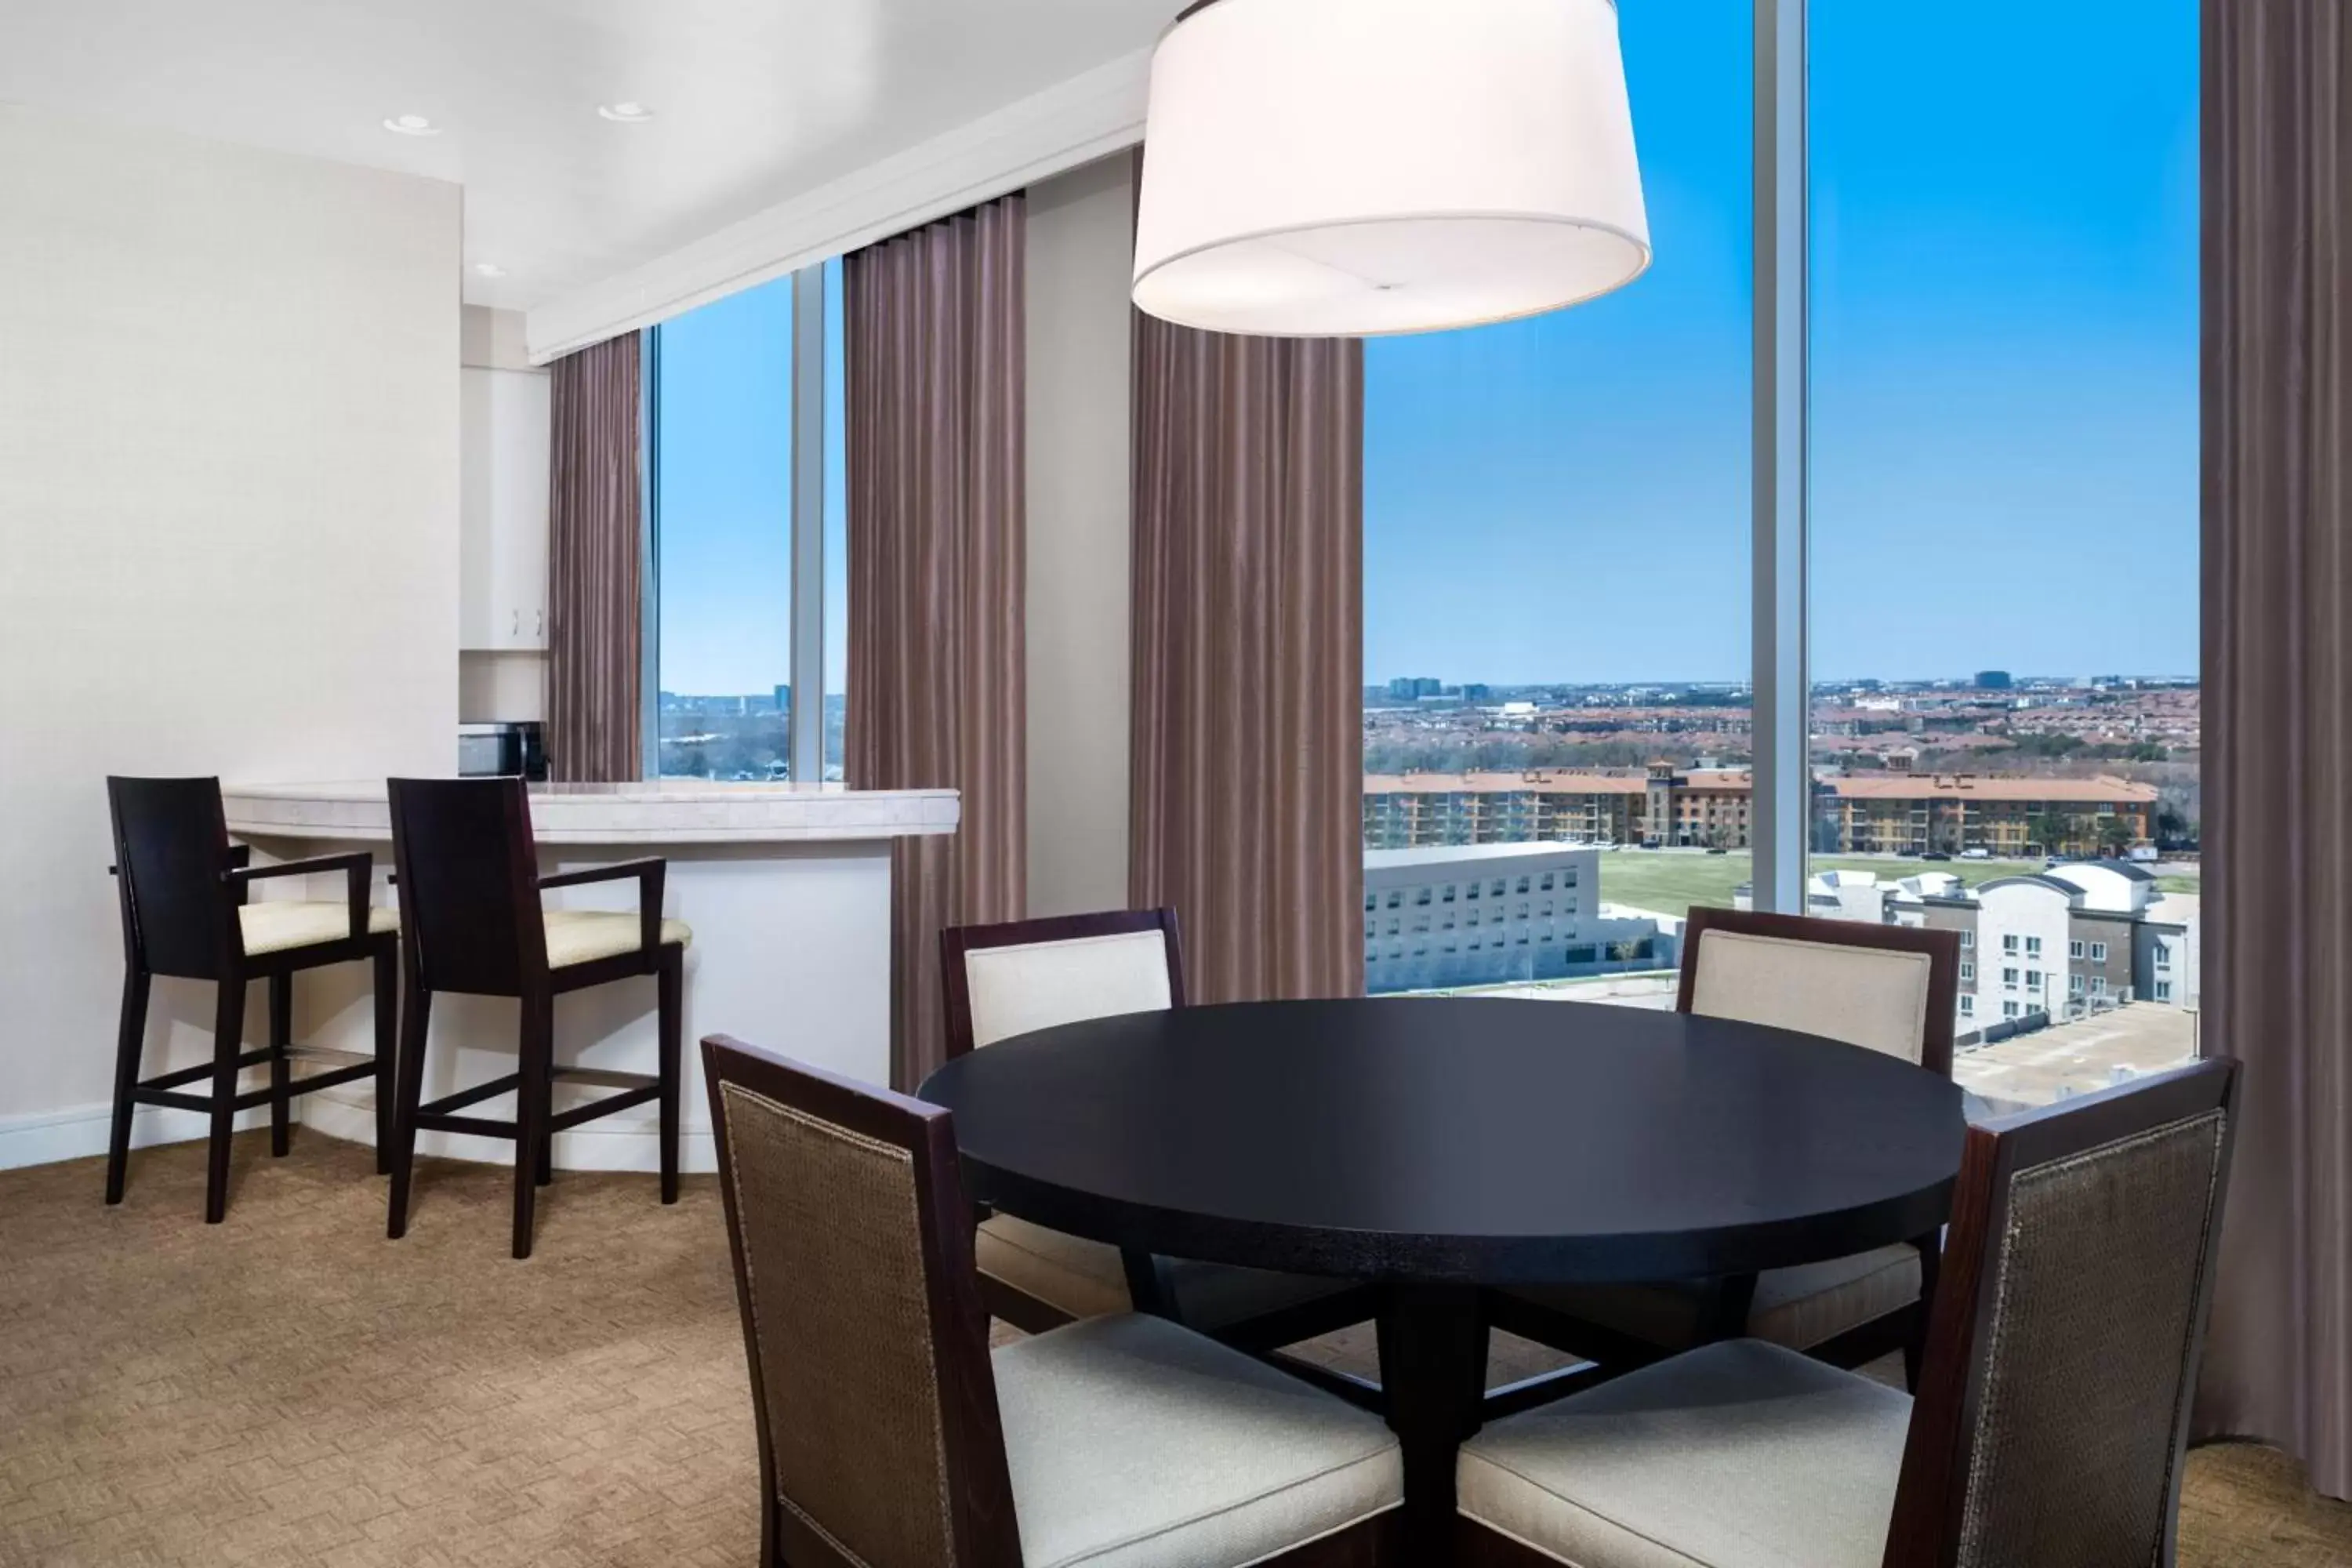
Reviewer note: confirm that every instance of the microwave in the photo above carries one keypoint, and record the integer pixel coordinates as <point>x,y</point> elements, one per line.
<point>489,750</point>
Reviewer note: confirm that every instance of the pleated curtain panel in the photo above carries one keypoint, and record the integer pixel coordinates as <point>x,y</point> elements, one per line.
<point>937,381</point>
<point>1246,749</point>
<point>595,593</point>
<point>2277,984</point>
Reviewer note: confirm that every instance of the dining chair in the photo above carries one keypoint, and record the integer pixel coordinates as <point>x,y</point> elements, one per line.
<point>470,891</point>
<point>2051,1416</point>
<point>890,1434</point>
<point>1011,978</point>
<point>182,887</point>
<point>1884,988</point>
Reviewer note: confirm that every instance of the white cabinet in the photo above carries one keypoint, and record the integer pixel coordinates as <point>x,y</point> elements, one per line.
<point>502,527</point>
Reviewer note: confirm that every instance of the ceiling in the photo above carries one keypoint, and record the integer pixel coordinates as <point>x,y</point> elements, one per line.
<point>754,100</point>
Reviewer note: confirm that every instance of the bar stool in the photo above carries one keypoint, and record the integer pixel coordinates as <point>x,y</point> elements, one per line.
<point>469,894</point>
<point>184,914</point>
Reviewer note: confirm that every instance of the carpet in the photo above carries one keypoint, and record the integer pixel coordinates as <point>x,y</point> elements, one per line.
<point>290,1388</point>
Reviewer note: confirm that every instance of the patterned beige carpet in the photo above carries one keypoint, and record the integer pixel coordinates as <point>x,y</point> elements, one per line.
<point>290,1388</point>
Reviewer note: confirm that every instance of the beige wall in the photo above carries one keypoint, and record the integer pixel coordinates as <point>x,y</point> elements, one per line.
<point>498,686</point>
<point>229,509</point>
<point>1080,253</point>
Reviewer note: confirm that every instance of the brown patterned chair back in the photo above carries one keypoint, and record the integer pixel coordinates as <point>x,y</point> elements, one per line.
<point>2053,1408</point>
<point>879,1438</point>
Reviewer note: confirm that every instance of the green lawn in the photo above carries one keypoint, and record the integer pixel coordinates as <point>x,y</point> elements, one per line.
<point>1670,881</point>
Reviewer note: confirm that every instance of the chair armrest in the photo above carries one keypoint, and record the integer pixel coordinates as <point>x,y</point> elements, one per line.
<point>358,866</point>
<point>650,873</point>
<point>620,872</point>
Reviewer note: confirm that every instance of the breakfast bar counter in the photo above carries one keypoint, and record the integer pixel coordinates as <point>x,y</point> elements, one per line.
<point>787,888</point>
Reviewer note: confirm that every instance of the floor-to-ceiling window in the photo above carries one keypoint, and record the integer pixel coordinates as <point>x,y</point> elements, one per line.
<point>1995,428</point>
<point>1556,582</point>
<point>747,500</point>
<point>2003,384</point>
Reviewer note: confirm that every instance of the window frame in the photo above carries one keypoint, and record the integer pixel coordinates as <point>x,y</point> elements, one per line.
<point>804,534</point>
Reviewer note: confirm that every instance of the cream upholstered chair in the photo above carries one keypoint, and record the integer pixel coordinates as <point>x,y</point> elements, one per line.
<point>890,1435</point>
<point>184,913</point>
<point>2052,1414</point>
<point>1012,978</point>
<point>1884,988</point>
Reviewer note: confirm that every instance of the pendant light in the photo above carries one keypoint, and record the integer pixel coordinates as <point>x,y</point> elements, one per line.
<point>1359,168</point>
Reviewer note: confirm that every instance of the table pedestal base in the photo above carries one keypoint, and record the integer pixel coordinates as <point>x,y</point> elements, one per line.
<point>1433,1344</point>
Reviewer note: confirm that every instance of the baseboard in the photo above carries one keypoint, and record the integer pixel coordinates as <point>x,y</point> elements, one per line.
<point>78,1132</point>
<point>46,1137</point>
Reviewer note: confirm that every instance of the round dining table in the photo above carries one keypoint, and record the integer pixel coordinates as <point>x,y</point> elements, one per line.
<point>1437,1145</point>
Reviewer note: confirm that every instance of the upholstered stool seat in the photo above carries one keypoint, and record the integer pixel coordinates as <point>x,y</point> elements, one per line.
<point>282,924</point>
<point>1089,1278</point>
<point>1133,1443</point>
<point>583,936</point>
<point>1740,1455</point>
<point>1799,1308</point>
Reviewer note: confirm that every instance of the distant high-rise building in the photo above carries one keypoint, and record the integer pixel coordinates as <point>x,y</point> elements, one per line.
<point>783,698</point>
<point>1411,688</point>
<point>1994,680</point>
<point>1476,691</point>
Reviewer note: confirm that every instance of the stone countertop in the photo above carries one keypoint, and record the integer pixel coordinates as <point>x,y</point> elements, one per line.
<point>665,811</point>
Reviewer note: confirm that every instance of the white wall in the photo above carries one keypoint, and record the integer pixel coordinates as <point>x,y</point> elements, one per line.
<point>1081,249</point>
<point>228,510</point>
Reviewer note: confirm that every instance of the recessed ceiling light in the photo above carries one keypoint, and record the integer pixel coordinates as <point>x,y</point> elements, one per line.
<point>490,269</point>
<point>627,113</point>
<point>411,125</point>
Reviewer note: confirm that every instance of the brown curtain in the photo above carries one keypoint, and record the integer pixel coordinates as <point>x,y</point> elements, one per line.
<point>2277,979</point>
<point>595,598</point>
<point>1247,740</point>
<point>933,328</point>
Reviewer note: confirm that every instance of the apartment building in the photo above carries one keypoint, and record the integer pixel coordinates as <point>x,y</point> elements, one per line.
<point>1897,812</point>
<point>1701,807</point>
<point>2007,817</point>
<point>1489,914</point>
<point>2060,944</point>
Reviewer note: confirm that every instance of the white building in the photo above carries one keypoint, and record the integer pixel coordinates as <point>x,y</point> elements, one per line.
<point>1487,914</point>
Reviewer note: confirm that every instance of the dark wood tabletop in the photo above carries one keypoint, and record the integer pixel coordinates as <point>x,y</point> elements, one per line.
<point>1438,1145</point>
<point>1459,1140</point>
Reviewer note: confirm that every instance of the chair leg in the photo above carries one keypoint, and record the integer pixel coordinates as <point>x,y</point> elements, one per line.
<point>531,1112</point>
<point>672,983</point>
<point>281,1067</point>
<point>128,1043</point>
<point>1915,1344</point>
<point>416,1014</point>
<point>228,1041</point>
<point>546,1155</point>
<point>387,1050</point>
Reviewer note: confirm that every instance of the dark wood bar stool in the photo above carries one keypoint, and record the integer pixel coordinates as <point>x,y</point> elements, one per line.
<point>184,914</point>
<point>469,894</point>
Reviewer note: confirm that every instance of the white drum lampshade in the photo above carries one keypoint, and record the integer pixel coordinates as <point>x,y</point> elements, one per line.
<point>1358,167</point>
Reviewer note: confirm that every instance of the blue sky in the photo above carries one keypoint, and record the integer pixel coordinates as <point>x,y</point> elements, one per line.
<point>2004,373</point>
<point>726,440</point>
<point>2004,388</point>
